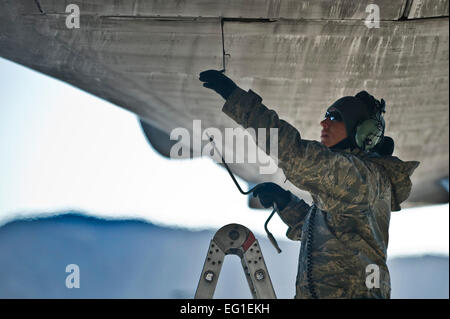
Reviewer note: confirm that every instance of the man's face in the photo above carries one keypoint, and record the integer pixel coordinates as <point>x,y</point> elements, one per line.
<point>333,129</point>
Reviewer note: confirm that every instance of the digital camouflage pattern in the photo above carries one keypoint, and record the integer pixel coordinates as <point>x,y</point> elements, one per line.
<point>346,228</point>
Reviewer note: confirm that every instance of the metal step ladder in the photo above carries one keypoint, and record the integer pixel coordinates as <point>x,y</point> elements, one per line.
<point>235,239</point>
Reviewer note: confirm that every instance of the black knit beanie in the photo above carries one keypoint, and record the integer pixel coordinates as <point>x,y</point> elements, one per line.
<point>352,110</point>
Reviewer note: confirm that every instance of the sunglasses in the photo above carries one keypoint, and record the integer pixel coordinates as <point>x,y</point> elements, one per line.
<point>333,116</point>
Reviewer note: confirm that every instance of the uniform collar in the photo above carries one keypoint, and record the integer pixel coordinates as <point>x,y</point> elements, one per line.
<point>347,146</point>
<point>343,145</point>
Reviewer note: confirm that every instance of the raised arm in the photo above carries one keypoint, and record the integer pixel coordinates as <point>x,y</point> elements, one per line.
<point>337,181</point>
<point>331,177</point>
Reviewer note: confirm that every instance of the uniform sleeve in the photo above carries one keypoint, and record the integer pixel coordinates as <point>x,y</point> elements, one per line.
<point>294,215</point>
<point>333,178</point>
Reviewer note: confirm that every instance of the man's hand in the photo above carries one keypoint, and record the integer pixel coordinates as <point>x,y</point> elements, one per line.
<point>269,193</point>
<point>217,81</point>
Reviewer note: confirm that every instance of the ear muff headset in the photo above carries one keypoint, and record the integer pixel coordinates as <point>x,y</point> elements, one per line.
<point>370,132</point>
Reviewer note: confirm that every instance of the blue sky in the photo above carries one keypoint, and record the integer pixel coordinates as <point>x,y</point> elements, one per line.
<point>62,148</point>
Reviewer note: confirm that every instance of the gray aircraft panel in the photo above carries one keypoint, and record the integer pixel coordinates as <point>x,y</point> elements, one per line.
<point>427,9</point>
<point>299,56</point>
<point>250,9</point>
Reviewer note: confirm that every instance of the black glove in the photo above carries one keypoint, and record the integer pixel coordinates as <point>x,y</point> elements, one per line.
<point>269,193</point>
<point>218,82</point>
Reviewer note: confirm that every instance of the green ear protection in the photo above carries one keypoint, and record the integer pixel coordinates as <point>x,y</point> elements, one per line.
<point>370,132</point>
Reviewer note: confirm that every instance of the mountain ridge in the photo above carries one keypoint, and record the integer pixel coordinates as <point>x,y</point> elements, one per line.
<point>133,258</point>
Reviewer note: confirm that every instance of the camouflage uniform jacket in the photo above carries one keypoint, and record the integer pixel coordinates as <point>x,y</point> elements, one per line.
<point>346,228</point>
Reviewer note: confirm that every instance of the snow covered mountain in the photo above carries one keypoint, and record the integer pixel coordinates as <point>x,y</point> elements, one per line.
<point>135,259</point>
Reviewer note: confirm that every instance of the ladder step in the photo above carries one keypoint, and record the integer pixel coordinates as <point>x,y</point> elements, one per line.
<point>235,239</point>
